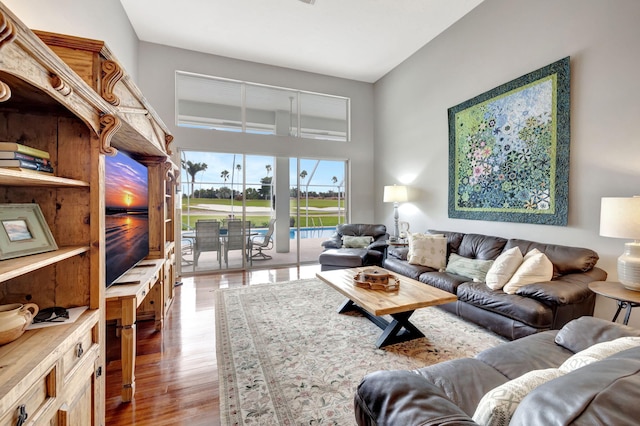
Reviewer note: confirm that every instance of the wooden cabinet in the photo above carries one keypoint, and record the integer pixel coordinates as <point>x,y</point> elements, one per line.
<point>78,105</point>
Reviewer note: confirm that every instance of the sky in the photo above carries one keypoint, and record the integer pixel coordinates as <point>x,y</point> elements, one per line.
<point>126,182</point>
<point>256,169</point>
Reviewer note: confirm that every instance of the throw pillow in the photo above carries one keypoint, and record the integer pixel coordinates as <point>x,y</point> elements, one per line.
<point>498,405</point>
<point>349,241</point>
<point>475,269</point>
<point>428,250</point>
<point>503,268</point>
<point>599,351</point>
<point>536,267</point>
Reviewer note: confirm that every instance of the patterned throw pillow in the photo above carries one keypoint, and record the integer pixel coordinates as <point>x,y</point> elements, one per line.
<point>498,405</point>
<point>599,351</point>
<point>428,250</point>
<point>349,241</point>
<point>476,269</point>
<point>503,268</point>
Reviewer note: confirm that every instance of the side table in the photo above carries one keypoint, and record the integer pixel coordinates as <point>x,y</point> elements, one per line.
<point>628,299</point>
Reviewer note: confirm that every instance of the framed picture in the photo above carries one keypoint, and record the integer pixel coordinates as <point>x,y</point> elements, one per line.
<point>509,151</point>
<point>23,231</point>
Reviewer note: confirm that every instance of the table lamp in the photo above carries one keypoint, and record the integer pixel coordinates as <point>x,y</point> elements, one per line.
<point>620,218</point>
<point>395,194</point>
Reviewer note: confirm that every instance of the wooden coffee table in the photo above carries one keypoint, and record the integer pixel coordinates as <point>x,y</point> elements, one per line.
<point>399,304</point>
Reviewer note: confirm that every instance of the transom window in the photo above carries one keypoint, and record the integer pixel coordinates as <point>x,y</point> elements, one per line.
<point>239,106</point>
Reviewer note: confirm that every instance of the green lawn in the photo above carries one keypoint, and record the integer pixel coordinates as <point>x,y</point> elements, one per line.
<point>315,218</point>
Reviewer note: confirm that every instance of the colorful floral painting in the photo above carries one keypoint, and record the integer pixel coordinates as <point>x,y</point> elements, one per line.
<point>509,151</point>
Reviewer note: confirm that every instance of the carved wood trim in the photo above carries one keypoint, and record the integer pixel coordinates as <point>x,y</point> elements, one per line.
<point>7,30</point>
<point>109,125</point>
<point>168,139</point>
<point>60,85</point>
<point>111,75</point>
<point>5,92</point>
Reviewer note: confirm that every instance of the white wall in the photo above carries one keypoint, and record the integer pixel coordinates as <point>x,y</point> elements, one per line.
<point>157,66</point>
<point>96,19</point>
<point>498,41</point>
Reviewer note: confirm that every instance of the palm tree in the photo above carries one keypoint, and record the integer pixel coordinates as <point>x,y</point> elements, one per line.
<point>303,175</point>
<point>335,181</point>
<point>192,169</point>
<point>268,167</point>
<point>237,167</point>
<point>225,175</point>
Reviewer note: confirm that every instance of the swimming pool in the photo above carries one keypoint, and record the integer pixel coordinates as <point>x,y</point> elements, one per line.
<point>309,232</point>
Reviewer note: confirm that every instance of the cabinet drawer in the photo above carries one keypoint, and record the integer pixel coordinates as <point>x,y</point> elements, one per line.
<point>34,401</point>
<point>77,352</point>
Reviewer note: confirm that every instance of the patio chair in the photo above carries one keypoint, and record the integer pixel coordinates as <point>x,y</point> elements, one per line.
<point>260,243</point>
<point>207,239</point>
<point>237,238</point>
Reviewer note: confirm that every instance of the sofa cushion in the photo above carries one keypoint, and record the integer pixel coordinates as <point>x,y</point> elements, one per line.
<point>347,257</point>
<point>349,241</point>
<point>475,269</point>
<point>533,352</point>
<point>454,239</point>
<point>565,259</point>
<point>498,405</point>
<point>428,250</point>
<point>601,393</point>
<point>443,280</point>
<point>535,268</point>
<point>586,331</point>
<point>523,309</point>
<point>464,381</point>
<point>476,246</point>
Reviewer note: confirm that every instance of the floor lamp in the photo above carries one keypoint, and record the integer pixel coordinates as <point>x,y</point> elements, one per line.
<point>395,194</point>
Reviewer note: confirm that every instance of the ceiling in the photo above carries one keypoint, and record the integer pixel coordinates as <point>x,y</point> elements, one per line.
<point>354,39</point>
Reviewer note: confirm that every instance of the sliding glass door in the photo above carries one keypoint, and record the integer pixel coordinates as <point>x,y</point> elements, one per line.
<point>286,207</point>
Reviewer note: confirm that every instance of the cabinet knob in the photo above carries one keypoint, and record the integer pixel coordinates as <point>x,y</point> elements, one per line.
<point>22,415</point>
<point>79,350</point>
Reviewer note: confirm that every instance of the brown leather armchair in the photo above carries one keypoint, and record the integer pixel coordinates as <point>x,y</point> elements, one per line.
<point>337,256</point>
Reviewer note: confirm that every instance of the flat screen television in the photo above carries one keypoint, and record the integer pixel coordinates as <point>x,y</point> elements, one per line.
<point>126,215</point>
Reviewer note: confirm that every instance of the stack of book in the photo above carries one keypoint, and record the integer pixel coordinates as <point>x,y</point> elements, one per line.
<point>21,157</point>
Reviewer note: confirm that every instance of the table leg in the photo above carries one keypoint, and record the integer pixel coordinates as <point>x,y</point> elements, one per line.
<point>128,348</point>
<point>622,305</point>
<point>400,329</point>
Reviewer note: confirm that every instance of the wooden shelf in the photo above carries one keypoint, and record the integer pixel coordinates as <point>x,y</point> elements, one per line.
<point>12,268</point>
<point>27,178</point>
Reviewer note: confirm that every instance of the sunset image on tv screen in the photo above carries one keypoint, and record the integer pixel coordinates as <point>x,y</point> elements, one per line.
<point>126,185</point>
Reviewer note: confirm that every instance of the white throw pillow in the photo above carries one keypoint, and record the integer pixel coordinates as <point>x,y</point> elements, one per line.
<point>498,405</point>
<point>536,267</point>
<point>503,268</point>
<point>428,250</point>
<point>349,241</point>
<point>598,352</point>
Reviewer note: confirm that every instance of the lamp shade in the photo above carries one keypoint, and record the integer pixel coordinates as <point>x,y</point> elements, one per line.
<point>620,217</point>
<point>395,194</point>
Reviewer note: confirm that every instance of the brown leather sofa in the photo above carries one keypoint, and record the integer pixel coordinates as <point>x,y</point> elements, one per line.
<point>336,256</point>
<point>534,308</point>
<point>604,392</point>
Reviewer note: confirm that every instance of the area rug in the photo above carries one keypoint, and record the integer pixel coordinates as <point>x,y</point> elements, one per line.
<point>286,357</point>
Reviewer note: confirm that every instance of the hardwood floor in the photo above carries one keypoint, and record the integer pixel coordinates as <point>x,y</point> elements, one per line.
<point>176,369</point>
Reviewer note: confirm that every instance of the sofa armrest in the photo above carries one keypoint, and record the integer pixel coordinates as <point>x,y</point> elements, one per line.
<point>568,289</point>
<point>379,245</point>
<point>398,252</point>
<point>334,242</point>
<point>390,398</point>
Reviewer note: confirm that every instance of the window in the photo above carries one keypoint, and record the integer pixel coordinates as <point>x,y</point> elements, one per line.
<point>230,105</point>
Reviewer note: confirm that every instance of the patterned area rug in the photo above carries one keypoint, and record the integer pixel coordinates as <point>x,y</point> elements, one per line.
<point>286,357</point>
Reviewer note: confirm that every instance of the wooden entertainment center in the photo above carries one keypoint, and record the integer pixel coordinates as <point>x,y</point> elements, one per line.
<point>69,96</point>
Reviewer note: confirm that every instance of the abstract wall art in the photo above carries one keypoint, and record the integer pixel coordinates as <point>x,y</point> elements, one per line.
<point>509,150</point>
